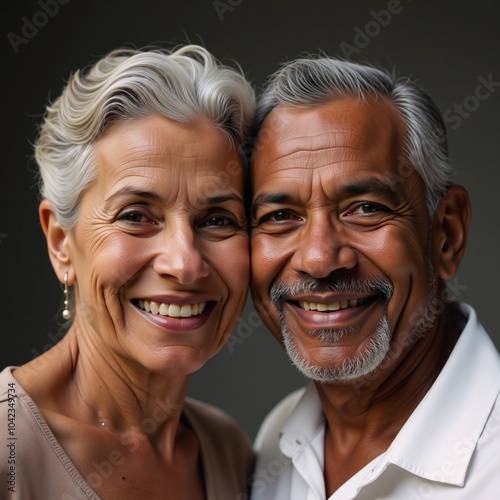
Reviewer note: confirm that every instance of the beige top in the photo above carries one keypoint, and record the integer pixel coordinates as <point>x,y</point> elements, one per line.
<point>33,465</point>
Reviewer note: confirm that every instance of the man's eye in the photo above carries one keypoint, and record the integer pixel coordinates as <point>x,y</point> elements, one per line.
<point>368,208</point>
<point>278,216</point>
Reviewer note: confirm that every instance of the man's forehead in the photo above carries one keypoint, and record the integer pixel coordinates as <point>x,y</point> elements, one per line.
<point>347,122</point>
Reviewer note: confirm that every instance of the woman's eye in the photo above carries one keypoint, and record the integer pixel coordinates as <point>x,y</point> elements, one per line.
<point>133,217</point>
<point>218,221</point>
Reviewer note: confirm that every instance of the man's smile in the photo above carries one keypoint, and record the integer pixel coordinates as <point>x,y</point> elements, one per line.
<point>333,306</point>
<point>321,313</point>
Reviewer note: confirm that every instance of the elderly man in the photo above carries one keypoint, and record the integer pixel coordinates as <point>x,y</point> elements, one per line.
<point>356,226</point>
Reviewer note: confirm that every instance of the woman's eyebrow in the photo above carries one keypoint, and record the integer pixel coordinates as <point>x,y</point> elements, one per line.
<point>221,198</point>
<point>131,191</point>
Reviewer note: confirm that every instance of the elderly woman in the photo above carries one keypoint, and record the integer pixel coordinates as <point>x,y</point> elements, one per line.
<point>141,178</point>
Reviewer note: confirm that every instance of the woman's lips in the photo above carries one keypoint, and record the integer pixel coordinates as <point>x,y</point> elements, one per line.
<point>172,310</point>
<point>174,317</point>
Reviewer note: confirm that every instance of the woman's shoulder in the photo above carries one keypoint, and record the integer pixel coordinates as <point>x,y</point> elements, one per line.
<point>214,421</point>
<point>26,442</point>
<point>226,450</point>
<point>9,391</point>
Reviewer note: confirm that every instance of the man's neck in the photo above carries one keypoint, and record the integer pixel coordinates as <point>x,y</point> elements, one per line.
<point>364,417</point>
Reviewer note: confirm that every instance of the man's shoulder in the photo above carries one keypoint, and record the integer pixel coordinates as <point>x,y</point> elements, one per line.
<point>271,426</point>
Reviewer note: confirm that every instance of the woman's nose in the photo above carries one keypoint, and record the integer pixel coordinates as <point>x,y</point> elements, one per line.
<point>181,257</point>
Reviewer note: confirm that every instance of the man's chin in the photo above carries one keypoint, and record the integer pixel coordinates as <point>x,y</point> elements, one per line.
<point>330,367</point>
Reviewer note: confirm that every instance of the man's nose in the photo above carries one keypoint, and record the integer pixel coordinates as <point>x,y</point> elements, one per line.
<point>323,248</point>
<point>181,257</point>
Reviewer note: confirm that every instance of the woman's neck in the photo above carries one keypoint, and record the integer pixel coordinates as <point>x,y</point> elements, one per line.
<point>84,381</point>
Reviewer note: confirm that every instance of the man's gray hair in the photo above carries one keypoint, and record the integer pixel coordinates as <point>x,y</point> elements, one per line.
<point>181,85</point>
<point>309,82</point>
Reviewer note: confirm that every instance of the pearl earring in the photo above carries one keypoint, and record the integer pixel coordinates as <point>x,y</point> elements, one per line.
<point>66,314</point>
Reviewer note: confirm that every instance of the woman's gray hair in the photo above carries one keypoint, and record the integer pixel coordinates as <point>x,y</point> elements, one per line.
<point>309,82</point>
<point>181,84</point>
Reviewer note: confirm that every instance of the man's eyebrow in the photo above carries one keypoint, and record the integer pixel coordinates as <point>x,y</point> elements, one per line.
<point>269,198</point>
<point>372,186</point>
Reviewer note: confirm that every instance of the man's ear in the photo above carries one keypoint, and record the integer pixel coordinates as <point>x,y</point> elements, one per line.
<point>56,238</point>
<point>452,218</point>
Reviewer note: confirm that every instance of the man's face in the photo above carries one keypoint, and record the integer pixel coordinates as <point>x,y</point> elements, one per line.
<point>341,247</point>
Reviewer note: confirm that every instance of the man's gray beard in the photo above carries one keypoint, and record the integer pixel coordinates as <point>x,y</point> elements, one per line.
<point>379,346</point>
<point>352,368</point>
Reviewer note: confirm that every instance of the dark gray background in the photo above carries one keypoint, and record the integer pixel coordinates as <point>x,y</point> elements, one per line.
<point>448,46</point>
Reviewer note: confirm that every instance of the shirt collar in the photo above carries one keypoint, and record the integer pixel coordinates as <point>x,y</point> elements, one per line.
<point>438,440</point>
<point>305,422</point>
<point>302,439</point>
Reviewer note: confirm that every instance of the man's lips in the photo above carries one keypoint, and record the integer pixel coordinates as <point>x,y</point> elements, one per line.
<point>329,313</point>
<point>332,306</point>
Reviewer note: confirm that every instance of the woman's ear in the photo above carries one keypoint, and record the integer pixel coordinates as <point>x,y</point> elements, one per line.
<point>453,215</point>
<point>56,238</point>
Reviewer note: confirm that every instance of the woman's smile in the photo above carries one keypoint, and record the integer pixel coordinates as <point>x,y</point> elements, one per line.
<point>173,310</point>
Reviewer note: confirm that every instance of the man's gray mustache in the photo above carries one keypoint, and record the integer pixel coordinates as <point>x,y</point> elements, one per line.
<point>281,291</point>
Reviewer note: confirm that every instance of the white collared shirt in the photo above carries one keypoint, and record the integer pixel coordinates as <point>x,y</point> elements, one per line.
<point>449,448</point>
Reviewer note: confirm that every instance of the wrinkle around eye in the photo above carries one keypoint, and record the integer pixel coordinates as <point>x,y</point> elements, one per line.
<point>141,223</point>
<point>372,208</point>
<point>277,222</point>
<point>279,216</point>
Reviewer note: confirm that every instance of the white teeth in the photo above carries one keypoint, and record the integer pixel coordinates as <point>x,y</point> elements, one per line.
<point>186,311</point>
<point>172,310</point>
<point>155,307</point>
<point>334,306</point>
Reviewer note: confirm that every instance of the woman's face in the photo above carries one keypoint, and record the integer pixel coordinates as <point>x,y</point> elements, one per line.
<point>160,250</point>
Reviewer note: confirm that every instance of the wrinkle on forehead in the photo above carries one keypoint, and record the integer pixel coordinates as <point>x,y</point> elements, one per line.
<point>363,124</point>
<point>170,159</point>
<point>369,134</point>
